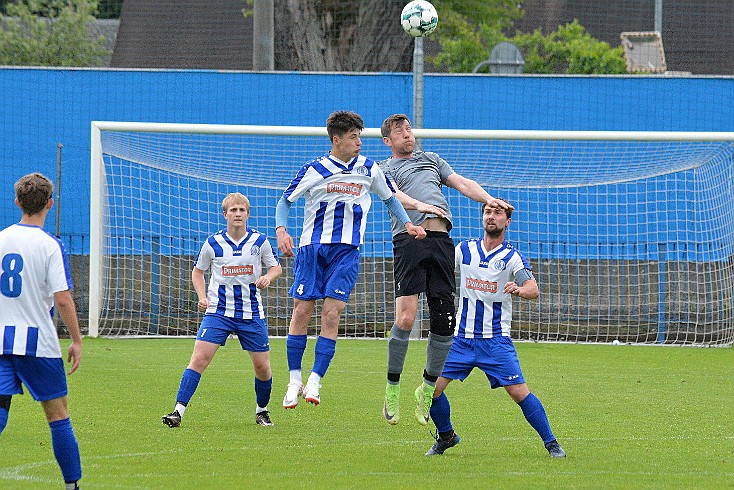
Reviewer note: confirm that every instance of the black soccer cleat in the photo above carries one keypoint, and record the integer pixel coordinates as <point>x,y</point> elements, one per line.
<point>263,418</point>
<point>442,445</point>
<point>173,419</point>
<point>555,450</point>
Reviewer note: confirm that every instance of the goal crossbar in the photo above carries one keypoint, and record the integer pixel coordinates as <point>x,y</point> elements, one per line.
<point>487,134</point>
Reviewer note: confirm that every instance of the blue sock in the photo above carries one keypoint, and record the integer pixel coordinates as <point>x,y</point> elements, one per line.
<point>295,346</point>
<point>441,413</point>
<point>189,383</point>
<point>324,353</point>
<point>3,419</point>
<point>66,449</point>
<point>536,417</point>
<point>262,392</point>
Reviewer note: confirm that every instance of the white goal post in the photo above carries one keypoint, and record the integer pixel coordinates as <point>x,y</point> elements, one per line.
<point>630,234</point>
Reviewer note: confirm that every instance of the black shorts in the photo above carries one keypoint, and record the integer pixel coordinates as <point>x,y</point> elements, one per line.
<point>424,266</point>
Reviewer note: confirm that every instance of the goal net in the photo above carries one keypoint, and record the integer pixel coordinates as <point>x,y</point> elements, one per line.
<point>629,233</point>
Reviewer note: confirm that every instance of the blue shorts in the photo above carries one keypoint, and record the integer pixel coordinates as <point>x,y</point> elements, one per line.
<point>253,334</point>
<point>43,376</point>
<point>496,357</point>
<point>325,271</point>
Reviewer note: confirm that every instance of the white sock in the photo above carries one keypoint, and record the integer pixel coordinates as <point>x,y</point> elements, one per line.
<point>314,379</point>
<point>260,409</point>
<point>296,376</point>
<point>180,409</point>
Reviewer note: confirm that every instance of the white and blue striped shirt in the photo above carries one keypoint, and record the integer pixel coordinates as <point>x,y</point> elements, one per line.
<point>33,266</point>
<point>485,310</point>
<point>235,266</point>
<point>337,198</point>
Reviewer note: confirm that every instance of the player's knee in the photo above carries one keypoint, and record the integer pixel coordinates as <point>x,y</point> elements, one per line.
<point>200,361</point>
<point>405,319</point>
<point>5,402</point>
<point>518,393</point>
<point>406,309</point>
<point>443,318</point>
<point>263,371</point>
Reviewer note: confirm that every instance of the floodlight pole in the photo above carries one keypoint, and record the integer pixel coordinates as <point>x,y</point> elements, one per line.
<point>418,123</point>
<point>659,16</point>
<point>263,46</point>
<point>418,86</point>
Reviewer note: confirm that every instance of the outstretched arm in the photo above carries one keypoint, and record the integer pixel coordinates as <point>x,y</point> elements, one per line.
<point>397,210</point>
<point>411,203</point>
<point>474,191</point>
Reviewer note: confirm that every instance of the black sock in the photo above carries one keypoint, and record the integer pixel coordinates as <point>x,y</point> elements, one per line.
<point>446,436</point>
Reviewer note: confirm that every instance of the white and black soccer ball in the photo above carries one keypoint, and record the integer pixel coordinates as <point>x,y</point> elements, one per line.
<point>419,18</point>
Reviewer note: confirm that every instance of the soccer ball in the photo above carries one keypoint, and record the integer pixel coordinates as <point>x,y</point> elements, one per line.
<point>419,18</point>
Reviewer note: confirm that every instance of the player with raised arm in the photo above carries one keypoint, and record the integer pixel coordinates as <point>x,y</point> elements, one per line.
<point>421,267</point>
<point>232,304</point>
<point>35,278</point>
<point>491,272</point>
<point>336,188</point>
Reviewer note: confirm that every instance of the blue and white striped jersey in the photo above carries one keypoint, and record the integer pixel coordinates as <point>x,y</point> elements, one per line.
<point>485,310</point>
<point>234,269</point>
<point>337,198</point>
<point>33,266</point>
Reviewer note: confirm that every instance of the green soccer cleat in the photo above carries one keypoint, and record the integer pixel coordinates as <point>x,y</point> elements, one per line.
<point>423,400</point>
<point>391,408</point>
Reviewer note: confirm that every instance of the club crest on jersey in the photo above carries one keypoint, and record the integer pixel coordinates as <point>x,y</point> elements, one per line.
<point>480,285</point>
<point>255,250</point>
<point>344,188</point>
<point>236,270</point>
<point>362,170</point>
<point>499,265</point>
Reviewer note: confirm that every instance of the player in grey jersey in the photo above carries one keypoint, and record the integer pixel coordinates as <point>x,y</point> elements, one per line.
<point>422,267</point>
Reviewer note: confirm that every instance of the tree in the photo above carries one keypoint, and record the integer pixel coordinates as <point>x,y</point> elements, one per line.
<point>333,35</point>
<point>50,33</point>
<point>466,28</point>
<point>570,49</point>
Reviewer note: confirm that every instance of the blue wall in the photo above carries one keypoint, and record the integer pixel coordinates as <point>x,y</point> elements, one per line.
<point>40,108</point>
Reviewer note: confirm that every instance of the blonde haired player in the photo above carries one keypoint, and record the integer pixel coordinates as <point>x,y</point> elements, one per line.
<point>232,304</point>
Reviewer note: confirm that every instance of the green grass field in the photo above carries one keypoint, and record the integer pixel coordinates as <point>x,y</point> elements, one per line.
<point>628,417</point>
